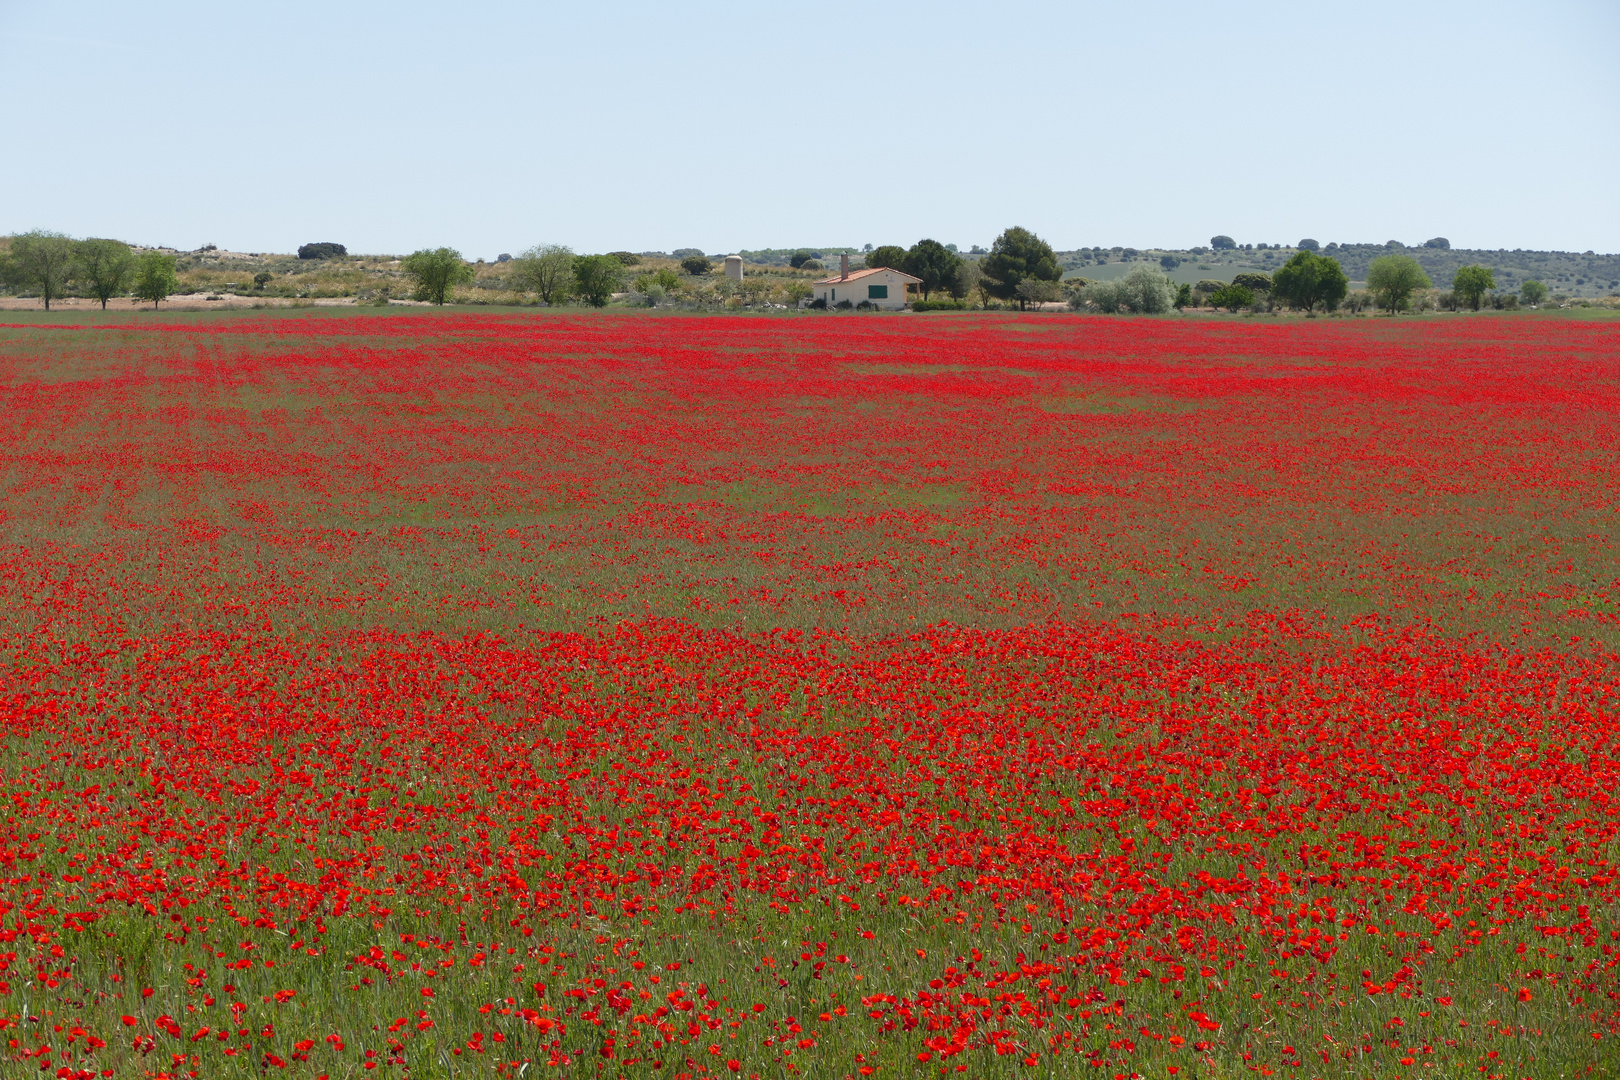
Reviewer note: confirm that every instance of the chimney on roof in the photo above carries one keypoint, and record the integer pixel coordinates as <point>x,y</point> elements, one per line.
<point>843,265</point>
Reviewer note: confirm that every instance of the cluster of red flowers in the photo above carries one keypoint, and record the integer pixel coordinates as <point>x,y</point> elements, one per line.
<point>838,697</point>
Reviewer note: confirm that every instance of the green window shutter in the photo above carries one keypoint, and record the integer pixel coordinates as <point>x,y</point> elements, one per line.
<point>877,292</point>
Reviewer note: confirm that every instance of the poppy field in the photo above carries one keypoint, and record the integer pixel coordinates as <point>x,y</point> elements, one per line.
<point>449,696</point>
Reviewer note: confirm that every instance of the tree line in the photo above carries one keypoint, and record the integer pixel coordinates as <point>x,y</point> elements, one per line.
<point>1309,281</point>
<point>552,271</point>
<point>51,262</point>
<point>1019,267</point>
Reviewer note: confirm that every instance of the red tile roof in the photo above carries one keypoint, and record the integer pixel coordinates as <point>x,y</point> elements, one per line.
<point>856,274</point>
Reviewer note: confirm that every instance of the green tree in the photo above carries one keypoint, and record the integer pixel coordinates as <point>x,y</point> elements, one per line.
<point>597,278</point>
<point>437,272</point>
<point>1308,245</point>
<point>1232,297</point>
<point>696,265</point>
<point>1393,279</point>
<point>1037,291</point>
<point>105,267</point>
<point>1148,291</point>
<point>890,255</point>
<point>1471,284</point>
<point>261,279</point>
<point>155,278</point>
<point>1222,243</point>
<point>934,264</point>
<point>546,269</point>
<point>1144,291</point>
<point>1254,281</point>
<point>1533,291</point>
<point>1308,279</point>
<point>1184,296</point>
<point>969,279</point>
<point>1018,254</point>
<point>43,261</point>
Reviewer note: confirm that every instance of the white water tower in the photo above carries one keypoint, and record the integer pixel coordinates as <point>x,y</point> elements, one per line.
<point>734,267</point>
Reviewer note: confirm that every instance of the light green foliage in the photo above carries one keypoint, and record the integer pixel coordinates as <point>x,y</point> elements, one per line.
<point>1254,281</point>
<point>1143,291</point>
<point>1533,291</point>
<point>649,289</point>
<point>1472,283</point>
<point>437,272</point>
<point>658,285</point>
<point>155,279</point>
<point>105,267</point>
<point>934,263</point>
<point>597,278</point>
<point>1392,279</point>
<point>42,261</point>
<point>1018,254</point>
<point>970,279</point>
<point>1308,279</point>
<point>546,269</point>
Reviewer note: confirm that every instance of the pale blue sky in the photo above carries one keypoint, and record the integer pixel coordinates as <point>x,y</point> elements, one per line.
<point>726,125</point>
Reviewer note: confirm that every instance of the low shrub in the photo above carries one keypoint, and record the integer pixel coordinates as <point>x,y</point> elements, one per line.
<point>939,305</point>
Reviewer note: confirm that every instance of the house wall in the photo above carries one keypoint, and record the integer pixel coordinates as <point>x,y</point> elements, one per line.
<point>856,291</point>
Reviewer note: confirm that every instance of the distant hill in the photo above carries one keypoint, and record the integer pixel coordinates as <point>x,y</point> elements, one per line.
<point>1564,272</point>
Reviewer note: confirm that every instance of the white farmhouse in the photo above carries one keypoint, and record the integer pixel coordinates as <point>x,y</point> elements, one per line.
<point>883,287</point>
